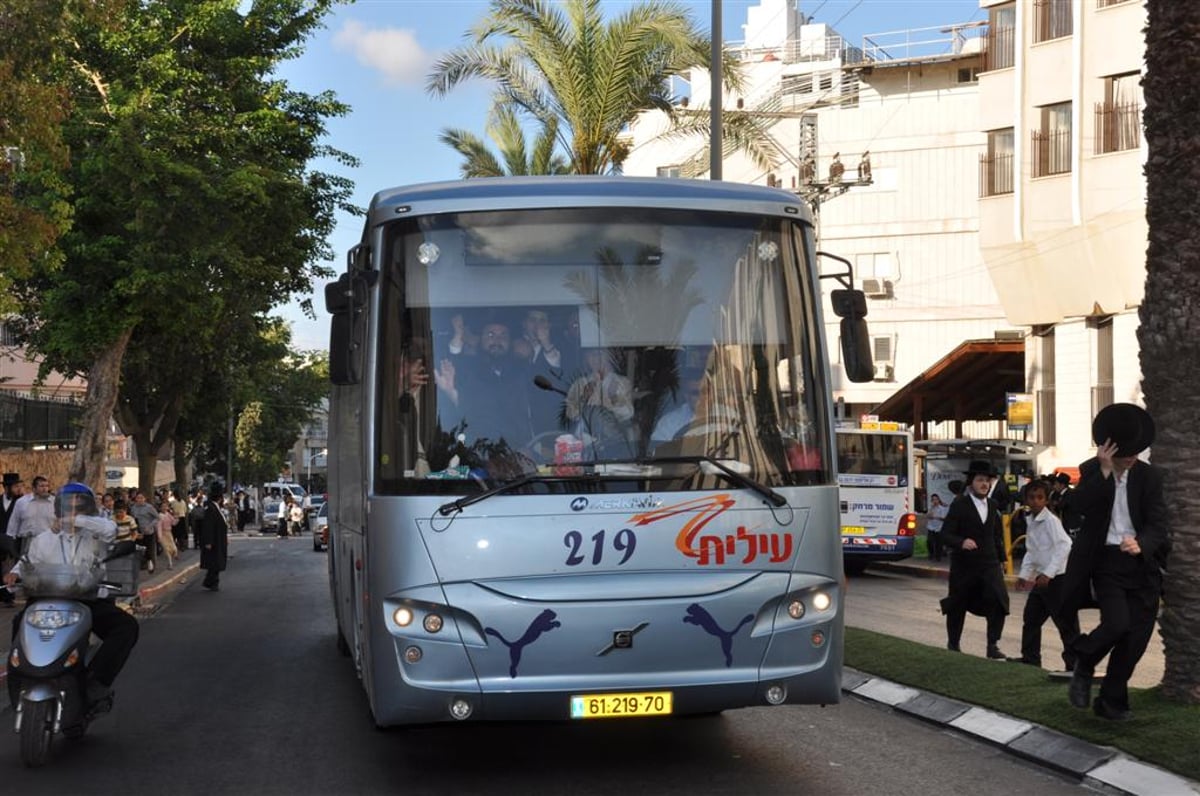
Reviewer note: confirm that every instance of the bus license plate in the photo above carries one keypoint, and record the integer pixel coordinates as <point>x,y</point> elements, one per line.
<point>856,530</point>
<point>620,706</point>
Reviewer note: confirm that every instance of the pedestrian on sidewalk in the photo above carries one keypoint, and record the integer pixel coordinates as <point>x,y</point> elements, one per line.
<point>933,527</point>
<point>974,534</point>
<point>214,538</point>
<point>1120,553</point>
<point>146,516</point>
<point>1046,549</point>
<point>179,508</point>
<point>166,535</point>
<point>14,488</point>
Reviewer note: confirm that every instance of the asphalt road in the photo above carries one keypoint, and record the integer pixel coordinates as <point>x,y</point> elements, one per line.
<point>244,692</point>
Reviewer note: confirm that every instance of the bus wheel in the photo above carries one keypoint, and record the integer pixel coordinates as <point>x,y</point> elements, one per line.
<point>854,567</point>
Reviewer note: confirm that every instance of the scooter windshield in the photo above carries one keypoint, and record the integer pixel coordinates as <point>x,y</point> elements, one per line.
<point>60,580</point>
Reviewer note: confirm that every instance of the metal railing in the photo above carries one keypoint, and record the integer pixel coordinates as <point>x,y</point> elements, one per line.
<point>1118,126</point>
<point>995,175</point>
<point>918,43</point>
<point>1051,152</point>
<point>999,48</point>
<point>30,423</point>
<point>1107,3</point>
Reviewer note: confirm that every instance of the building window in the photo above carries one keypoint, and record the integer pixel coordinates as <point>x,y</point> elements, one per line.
<point>668,171</point>
<point>1047,420</point>
<point>999,45</point>
<point>1051,19</point>
<point>797,84</point>
<point>1119,117</point>
<point>1052,143</point>
<point>968,75</point>
<point>996,166</point>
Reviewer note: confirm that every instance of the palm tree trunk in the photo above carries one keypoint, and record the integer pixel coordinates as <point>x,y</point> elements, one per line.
<point>104,377</point>
<point>1169,334</point>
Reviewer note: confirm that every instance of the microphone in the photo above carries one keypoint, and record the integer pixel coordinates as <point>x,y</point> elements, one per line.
<point>543,383</point>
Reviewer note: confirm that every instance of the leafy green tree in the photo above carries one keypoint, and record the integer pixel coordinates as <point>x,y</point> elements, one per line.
<point>505,131</point>
<point>1170,345</point>
<point>33,104</point>
<point>564,63</point>
<point>194,211</point>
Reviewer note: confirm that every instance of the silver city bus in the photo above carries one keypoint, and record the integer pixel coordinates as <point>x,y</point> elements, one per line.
<point>581,459</point>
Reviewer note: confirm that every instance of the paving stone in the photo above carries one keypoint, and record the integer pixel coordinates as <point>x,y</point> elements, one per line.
<point>885,691</point>
<point>1063,752</point>
<point>1131,776</point>
<point>935,708</point>
<point>852,679</point>
<point>991,726</point>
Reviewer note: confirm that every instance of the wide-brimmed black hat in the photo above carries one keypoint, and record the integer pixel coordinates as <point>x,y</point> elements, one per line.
<point>1128,425</point>
<point>12,478</point>
<point>979,467</point>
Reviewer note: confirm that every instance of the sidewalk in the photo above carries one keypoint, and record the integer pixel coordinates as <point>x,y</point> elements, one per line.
<point>1091,764</point>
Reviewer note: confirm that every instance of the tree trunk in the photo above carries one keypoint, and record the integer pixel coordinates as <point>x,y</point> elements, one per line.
<point>91,453</point>
<point>147,459</point>
<point>1169,334</point>
<point>182,479</point>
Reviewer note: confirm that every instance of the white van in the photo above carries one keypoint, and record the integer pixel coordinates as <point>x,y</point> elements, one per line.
<point>269,497</point>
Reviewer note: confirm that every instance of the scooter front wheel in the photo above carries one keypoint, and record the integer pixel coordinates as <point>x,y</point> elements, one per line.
<point>37,732</point>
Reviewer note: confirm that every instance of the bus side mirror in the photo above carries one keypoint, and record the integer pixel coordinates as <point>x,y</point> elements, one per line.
<point>346,301</point>
<point>851,307</point>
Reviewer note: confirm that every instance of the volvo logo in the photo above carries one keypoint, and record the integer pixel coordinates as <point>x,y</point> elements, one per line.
<point>579,504</point>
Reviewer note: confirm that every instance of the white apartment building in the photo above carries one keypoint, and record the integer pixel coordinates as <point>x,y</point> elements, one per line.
<point>910,225</point>
<point>1062,221</point>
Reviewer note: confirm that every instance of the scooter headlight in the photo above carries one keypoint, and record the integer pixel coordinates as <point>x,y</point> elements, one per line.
<point>52,618</point>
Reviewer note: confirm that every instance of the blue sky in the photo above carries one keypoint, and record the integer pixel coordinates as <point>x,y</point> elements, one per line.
<point>375,55</point>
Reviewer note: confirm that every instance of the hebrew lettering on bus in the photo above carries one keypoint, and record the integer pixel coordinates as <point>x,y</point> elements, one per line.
<point>714,549</point>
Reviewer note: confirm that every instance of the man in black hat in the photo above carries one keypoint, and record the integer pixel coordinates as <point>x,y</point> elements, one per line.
<point>1120,552</point>
<point>974,534</point>
<point>8,545</point>
<point>214,538</point>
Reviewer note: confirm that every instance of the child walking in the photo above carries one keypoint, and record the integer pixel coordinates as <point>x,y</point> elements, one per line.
<point>1046,549</point>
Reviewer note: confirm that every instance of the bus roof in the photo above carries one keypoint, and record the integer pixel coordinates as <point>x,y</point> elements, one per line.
<point>496,193</point>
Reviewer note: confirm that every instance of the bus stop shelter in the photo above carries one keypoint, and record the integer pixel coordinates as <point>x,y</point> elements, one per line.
<point>971,382</point>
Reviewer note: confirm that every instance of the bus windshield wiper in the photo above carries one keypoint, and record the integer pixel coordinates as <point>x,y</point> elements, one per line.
<point>455,506</point>
<point>744,481</point>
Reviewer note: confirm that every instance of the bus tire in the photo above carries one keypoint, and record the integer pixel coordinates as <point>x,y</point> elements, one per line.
<point>854,568</point>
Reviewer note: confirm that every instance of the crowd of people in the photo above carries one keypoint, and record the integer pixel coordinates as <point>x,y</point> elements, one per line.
<point>1102,544</point>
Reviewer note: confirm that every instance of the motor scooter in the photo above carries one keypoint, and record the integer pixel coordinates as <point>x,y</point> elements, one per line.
<point>47,666</point>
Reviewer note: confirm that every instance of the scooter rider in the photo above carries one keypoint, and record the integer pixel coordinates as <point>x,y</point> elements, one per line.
<point>77,539</point>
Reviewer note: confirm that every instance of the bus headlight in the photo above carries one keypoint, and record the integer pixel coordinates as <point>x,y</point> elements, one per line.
<point>432,623</point>
<point>402,617</point>
<point>795,609</point>
<point>821,601</point>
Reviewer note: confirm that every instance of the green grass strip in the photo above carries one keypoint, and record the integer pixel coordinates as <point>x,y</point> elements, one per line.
<point>1162,733</point>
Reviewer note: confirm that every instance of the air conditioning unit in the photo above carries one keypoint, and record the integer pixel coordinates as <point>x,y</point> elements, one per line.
<point>877,288</point>
<point>885,371</point>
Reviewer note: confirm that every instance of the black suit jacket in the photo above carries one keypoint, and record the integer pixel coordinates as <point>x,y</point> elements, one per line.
<point>1093,498</point>
<point>962,522</point>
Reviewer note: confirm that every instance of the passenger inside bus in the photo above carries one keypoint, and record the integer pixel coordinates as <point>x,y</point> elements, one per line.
<point>600,405</point>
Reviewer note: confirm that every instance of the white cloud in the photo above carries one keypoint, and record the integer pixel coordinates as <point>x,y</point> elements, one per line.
<point>394,52</point>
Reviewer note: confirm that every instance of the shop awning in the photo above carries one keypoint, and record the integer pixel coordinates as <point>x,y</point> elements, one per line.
<point>970,383</point>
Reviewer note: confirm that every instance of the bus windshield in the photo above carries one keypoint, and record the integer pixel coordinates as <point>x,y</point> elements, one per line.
<point>873,459</point>
<point>553,341</point>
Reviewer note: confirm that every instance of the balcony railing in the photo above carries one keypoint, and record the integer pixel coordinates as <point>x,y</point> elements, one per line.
<point>1107,3</point>
<point>1051,19</point>
<point>1051,152</point>
<point>999,48</point>
<point>1118,126</point>
<point>995,175</point>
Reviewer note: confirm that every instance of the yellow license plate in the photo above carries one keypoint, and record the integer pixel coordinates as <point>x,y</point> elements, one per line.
<point>856,530</point>
<point>621,706</point>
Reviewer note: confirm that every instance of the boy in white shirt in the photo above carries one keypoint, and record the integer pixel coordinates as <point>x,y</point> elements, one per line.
<point>1046,549</point>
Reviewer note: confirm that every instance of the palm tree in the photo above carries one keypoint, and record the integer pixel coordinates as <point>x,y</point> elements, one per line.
<point>1170,345</point>
<point>563,62</point>
<point>505,130</point>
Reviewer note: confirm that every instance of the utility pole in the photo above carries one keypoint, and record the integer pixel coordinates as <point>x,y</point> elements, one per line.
<point>715,154</point>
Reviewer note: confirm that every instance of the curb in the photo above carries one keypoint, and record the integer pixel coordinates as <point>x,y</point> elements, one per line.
<point>1090,764</point>
<point>175,576</point>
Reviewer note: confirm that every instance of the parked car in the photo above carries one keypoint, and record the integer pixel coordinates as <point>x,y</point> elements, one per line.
<point>320,528</point>
<point>271,495</point>
<point>312,504</point>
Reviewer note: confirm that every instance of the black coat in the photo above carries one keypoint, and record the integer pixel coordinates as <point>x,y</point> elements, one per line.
<point>976,581</point>
<point>214,531</point>
<point>1093,498</point>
